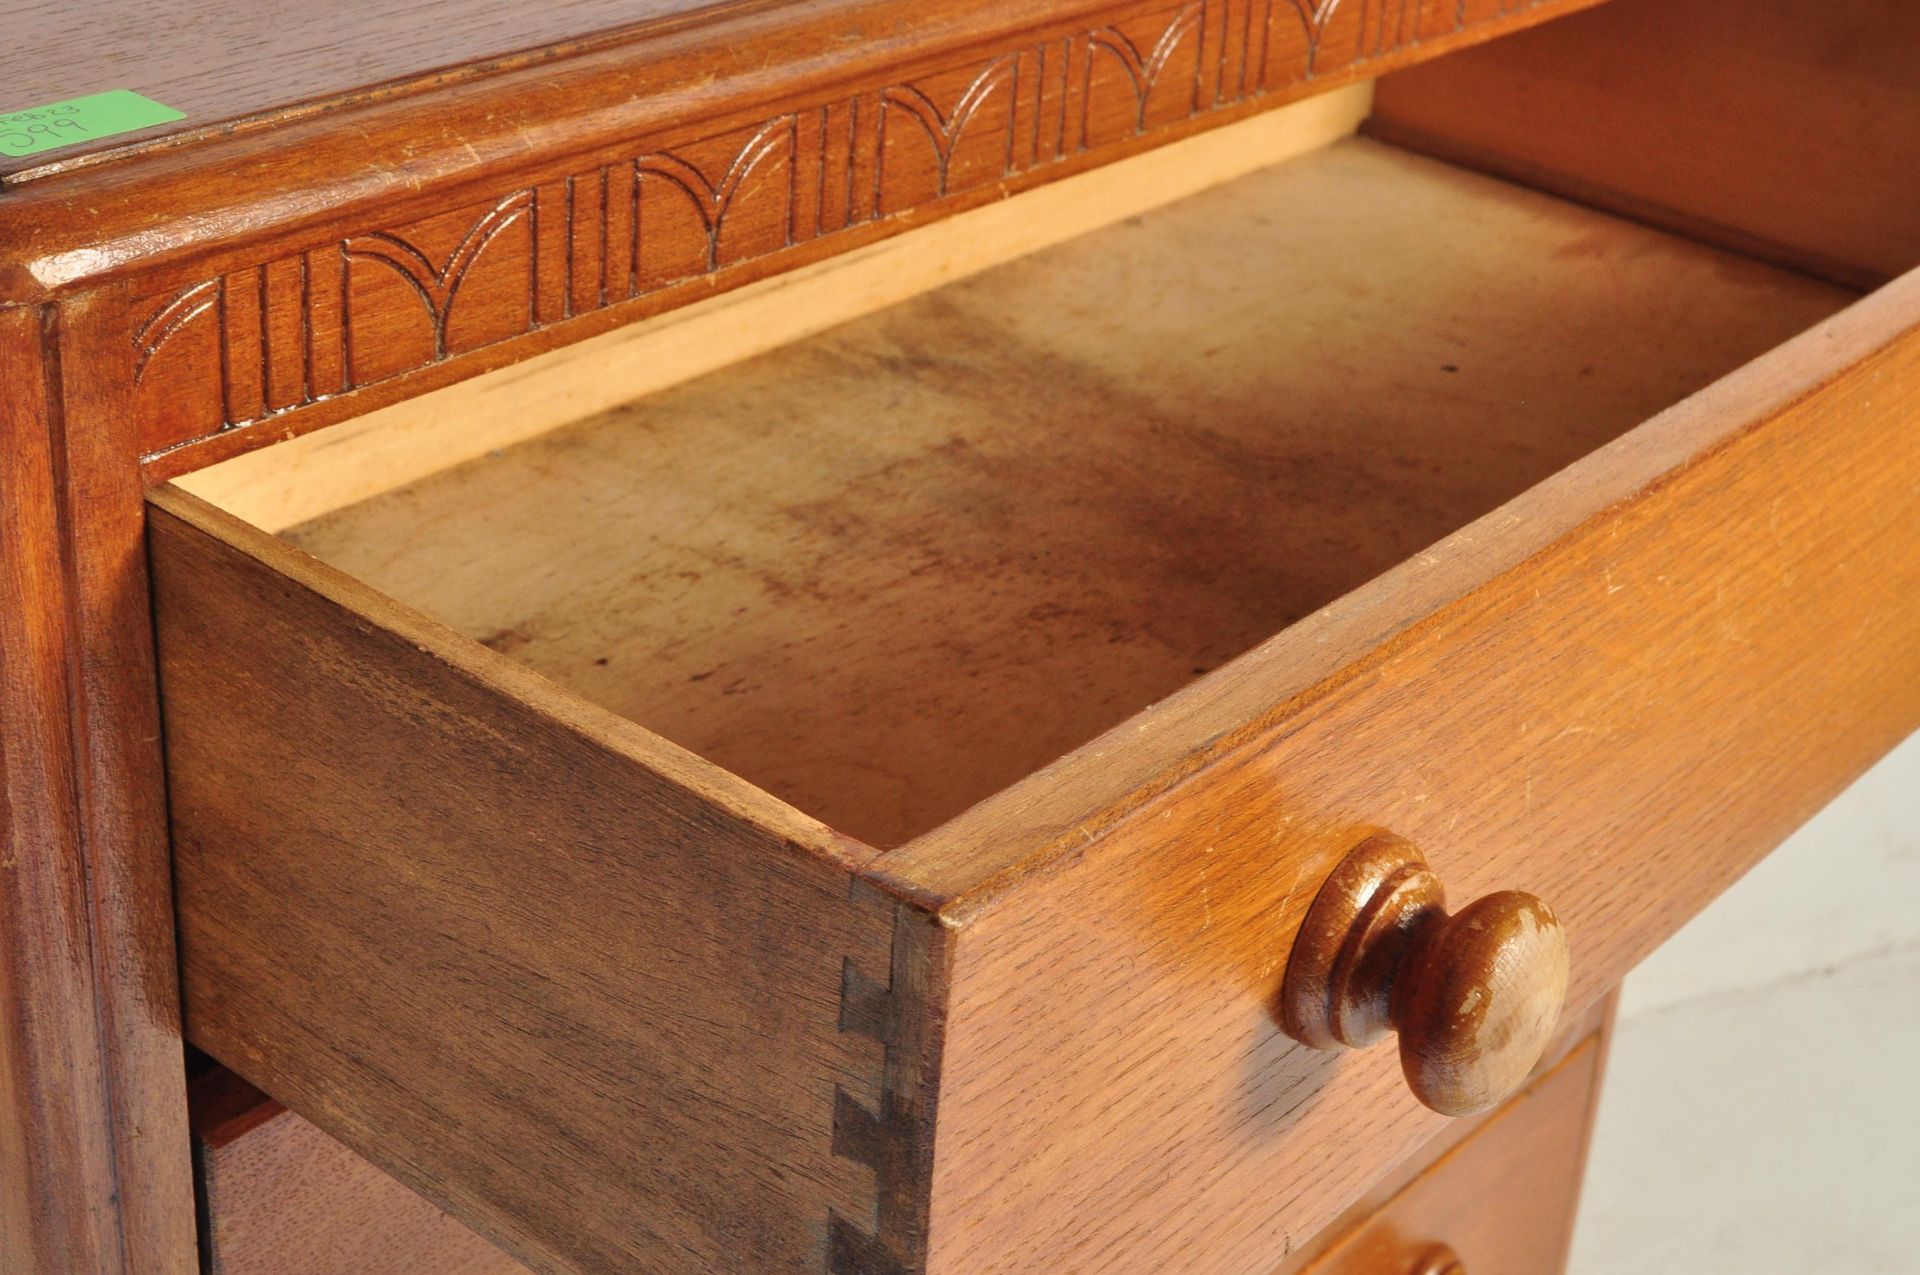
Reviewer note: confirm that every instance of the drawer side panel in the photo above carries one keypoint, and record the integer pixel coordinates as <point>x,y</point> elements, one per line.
<point>610,1007</point>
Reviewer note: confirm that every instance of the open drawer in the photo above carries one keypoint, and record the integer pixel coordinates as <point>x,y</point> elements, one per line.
<point>852,811</point>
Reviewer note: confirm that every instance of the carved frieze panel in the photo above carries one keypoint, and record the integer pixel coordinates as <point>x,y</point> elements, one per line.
<point>229,352</point>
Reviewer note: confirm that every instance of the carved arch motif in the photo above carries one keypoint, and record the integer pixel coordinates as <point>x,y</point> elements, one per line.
<point>165,323</point>
<point>944,130</point>
<point>1315,16</point>
<point>712,200</point>
<point>1144,68</point>
<point>438,286</point>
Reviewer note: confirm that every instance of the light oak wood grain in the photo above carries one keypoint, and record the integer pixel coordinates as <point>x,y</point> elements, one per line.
<point>1593,1027</point>
<point>1681,598</point>
<point>329,257</point>
<point>350,147</point>
<point>1785,129</point>
<point>1500,1203</point>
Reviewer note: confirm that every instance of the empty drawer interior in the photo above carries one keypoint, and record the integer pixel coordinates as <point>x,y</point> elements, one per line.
<point>892,568</point>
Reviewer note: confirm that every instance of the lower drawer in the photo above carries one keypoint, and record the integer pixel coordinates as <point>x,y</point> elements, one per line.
<point>282,1197</point>
<point>1499,1192</point>
<point>1500,1202</point>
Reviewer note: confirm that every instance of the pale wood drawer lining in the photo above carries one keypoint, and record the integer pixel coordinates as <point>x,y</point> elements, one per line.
<point>891,569</point>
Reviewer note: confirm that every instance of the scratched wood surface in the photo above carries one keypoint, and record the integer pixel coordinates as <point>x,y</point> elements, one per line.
<point>1001,518</point>
<point>237,60</point>
<point>228,61</point>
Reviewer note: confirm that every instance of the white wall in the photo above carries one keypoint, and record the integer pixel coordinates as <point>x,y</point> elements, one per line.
<point>1846,885</point>
<point>1760,1113</point>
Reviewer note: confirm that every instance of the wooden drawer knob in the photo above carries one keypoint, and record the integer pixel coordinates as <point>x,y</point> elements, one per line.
<point>1473,995</point>
<point>1440,1260</point>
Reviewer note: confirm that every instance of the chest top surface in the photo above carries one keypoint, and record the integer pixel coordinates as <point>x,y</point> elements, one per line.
<point>220,62</point>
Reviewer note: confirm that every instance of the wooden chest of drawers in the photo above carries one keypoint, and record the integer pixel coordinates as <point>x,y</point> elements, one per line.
<point>944,746</point>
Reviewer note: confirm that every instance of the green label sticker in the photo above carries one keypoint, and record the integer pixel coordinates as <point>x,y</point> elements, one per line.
<point>79,119</point>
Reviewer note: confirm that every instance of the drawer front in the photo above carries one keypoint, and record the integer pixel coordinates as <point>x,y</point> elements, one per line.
<point>1616,693</point>
<point>1500,1203</point>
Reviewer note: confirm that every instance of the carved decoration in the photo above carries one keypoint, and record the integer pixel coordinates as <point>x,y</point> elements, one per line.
<point>943,128</point>
<point>230,352</point>
<point>438,286</point>
<point>1145,69</point>
<point>711,200</point>
<point>181,309</point>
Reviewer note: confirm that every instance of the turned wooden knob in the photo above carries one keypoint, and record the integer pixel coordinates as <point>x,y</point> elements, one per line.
<point>1439,1260</point>
<point>1473,995</point>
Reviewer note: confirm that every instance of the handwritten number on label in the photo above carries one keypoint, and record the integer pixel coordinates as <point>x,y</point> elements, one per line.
<point>19,139</point>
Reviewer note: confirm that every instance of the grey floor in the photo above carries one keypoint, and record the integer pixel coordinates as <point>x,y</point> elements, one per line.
<point>1762,1110</point>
